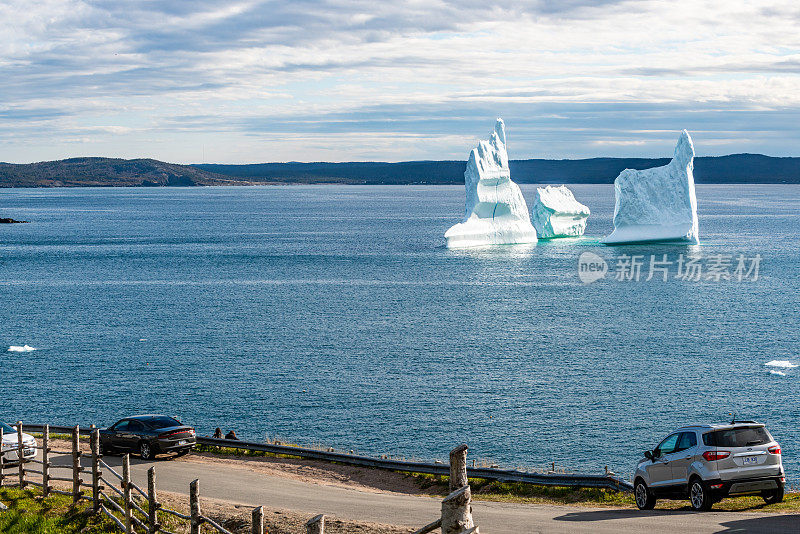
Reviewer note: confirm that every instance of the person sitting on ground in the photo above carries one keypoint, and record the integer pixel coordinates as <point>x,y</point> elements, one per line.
<point>217,433</point>
<point>231,435</point>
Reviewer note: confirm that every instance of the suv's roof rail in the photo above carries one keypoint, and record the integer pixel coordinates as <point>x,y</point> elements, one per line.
<point>736,421</point>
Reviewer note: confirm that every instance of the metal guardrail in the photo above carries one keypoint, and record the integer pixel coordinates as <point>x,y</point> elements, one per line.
<point>610,481</point>
<point>502,475</point>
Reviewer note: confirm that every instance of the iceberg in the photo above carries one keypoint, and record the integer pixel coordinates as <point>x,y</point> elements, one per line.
<point>22,348</point>
<point>496,212</point>
<point>784,364</point>
<point>657,204</point>
<point>556,213</point>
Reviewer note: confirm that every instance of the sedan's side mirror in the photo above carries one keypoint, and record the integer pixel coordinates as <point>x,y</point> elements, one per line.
<point>648,455</point>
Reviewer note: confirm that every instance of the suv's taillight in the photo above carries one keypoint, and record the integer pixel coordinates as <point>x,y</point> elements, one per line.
<point>711,456</point>
<point>775,449</point>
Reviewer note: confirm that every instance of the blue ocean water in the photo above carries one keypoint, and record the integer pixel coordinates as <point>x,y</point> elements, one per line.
<point>333,315</point>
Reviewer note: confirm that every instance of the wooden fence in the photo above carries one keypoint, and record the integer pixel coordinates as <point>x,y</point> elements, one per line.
<point>131,508</point>
<point>135,510</point>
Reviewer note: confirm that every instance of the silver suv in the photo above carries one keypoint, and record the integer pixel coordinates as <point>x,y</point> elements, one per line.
<point>704,463</point>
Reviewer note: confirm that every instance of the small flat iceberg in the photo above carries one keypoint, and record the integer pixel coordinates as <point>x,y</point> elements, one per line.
<point>781,364</point>
<point>657,204</point>
<point>556,213</point>
<point>23,348</point>
<point>496,212</point>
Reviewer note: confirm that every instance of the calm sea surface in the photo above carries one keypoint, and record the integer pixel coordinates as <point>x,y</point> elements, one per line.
<point>333,315</point>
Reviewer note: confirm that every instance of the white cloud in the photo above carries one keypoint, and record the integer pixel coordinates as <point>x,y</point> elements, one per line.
<point>367,80</point>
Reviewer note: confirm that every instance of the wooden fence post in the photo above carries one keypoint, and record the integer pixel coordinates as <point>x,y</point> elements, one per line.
<point>258,521</point>
<point>458,468</point>
<point>152,502</point>
<point>20,455</point>
<point>316,525</point>
<point>194,507</point>
<point>457,512</point>
<point>2,459</point>
<point>46,461</point>
<point>76,464</point>
<point>95,471</point>
<point>126,492</point>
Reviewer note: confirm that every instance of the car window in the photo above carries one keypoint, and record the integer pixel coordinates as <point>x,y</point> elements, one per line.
<point>7,429</point>
<point>122,425</point>
<point>135,426</point>
<point>162,421</point>
<point>667,446</point>
<point>686,441</point>
<point>738,437</point>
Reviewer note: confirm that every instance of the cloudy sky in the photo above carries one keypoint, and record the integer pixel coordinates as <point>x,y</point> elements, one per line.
<point>310,80</point>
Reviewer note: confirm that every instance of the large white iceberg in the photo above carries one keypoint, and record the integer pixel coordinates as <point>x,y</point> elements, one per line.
<point>657,204</point>
<point>556,213</point>
<point>496,213</point>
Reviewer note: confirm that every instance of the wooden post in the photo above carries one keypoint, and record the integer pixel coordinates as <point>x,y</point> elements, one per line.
<point>76,464</point>
<point>195,518</point>
<point>458,468</point>
<point>95,471</point>
<point>126,492</point>
<point>152,502</point>
<point>258,521</point>
<point>20,455</point>
<point>46,461</point>
<point>2,459</point>
<point>316,525</point>
<point>457,512</point>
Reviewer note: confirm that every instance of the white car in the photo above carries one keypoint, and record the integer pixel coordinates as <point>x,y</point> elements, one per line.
<point>704,463</point>
<point>10,447</point>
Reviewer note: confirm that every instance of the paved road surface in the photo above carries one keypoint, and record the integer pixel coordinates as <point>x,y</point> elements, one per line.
<point>243,486</point>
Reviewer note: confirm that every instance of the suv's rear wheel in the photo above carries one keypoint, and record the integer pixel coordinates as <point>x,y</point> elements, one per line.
<point>699,496</point>
<point>773,496</point>
<point>645,500</point>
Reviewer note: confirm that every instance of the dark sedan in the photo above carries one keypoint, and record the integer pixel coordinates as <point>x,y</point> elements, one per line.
<point>147,435</point>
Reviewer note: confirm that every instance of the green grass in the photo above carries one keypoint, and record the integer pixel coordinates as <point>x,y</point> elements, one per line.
<point>518,492</point>
<point>29,513</point>
<point>231,451</point>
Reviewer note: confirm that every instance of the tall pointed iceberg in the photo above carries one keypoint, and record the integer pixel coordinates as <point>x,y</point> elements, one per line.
<point>657,204</point>
<point>496,213</point>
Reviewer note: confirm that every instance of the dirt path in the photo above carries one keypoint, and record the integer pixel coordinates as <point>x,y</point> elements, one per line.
<point>300,470</point>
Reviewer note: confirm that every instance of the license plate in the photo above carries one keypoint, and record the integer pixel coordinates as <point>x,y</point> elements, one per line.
<point>748,460</point>
<point>182,442</point>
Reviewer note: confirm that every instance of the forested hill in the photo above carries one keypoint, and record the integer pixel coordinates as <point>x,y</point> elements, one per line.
<point>86,172</point>
<point>736,168</point>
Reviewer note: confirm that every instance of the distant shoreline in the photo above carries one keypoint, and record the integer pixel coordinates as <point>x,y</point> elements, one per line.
<point>353,185</point>
<point>111,172</point>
